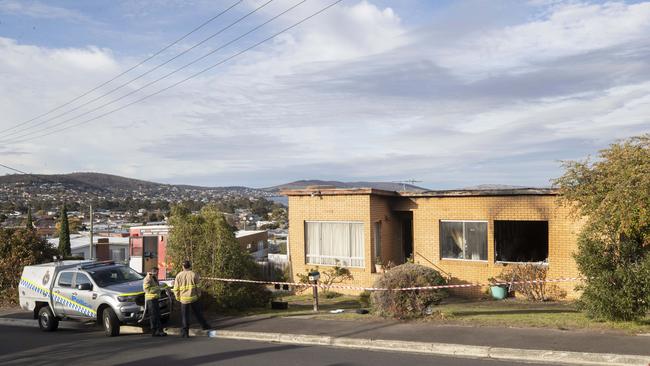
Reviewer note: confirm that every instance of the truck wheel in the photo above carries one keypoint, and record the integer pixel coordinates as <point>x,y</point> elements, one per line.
<point>46,320</point>
<point>111,323</point>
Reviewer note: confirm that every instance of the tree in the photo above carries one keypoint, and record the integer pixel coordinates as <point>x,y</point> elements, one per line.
<point>64,233</point>
<point>612,195</point>
<point>19,248</point>
<point>30,220</point>
<point>209,242</point>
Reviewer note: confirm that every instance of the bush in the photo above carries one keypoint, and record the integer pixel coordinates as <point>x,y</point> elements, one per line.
<point>209,242</point>
<point>407,304</point>
<point>19,248</point>
<point>329,277</point>
<point>532,291</point>
<point>617,283</point>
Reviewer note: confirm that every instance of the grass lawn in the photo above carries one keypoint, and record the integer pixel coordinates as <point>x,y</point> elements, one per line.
<point>508,313</point>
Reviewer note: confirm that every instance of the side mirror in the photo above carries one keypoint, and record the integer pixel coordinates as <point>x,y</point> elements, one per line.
<point>84,286</point>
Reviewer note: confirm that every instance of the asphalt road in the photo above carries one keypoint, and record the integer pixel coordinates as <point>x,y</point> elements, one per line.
<point>30,346</point>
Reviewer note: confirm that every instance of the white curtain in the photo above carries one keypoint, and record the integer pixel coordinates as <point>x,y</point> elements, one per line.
<point>332,242</point>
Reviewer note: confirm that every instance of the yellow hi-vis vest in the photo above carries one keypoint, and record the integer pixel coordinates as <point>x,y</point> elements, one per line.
<point>186,287</point>
<point>151,287</point>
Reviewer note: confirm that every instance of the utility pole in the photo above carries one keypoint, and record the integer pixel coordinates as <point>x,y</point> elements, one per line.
<point>91,231</point>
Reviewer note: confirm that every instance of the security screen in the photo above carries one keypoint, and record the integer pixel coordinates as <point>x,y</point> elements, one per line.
<point>521,241</point>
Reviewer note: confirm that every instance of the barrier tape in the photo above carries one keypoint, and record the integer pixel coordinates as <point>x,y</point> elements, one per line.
<point>573,279</point>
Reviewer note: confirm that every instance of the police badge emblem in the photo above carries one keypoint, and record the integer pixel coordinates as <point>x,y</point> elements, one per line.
<point>46,278</point>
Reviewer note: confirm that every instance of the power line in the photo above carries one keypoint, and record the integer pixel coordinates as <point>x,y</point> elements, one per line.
<point>173,72</point>
<point>126,71</point>
<point>137,77</point>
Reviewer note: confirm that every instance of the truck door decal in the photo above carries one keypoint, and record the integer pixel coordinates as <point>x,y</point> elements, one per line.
<point>58,298</point>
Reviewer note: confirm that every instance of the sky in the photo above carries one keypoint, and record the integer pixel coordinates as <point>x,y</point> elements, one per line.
<point>449,93</point>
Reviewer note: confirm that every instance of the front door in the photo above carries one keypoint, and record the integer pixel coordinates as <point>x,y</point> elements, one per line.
<point>150,254</point>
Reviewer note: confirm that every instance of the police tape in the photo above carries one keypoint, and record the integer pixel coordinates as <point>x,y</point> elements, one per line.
<point>417,288</point>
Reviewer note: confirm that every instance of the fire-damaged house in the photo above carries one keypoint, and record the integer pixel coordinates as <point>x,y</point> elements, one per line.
<point>467,235</point>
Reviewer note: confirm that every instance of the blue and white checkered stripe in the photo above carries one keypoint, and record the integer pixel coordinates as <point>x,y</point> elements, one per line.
<point>74,306</point>
<point>58,298</point>
<point>39,290</point>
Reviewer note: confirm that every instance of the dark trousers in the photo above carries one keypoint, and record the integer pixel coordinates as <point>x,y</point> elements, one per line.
<point>196,309</point>
<point>154,315</point>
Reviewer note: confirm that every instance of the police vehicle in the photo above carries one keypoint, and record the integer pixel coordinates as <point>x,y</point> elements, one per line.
<point>90,291</point>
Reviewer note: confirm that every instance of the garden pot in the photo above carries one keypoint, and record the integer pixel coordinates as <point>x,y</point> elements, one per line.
<point>499,292</point>
<point>279,305</point>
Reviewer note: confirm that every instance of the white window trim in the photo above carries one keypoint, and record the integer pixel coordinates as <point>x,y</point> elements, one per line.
<point>464,259</point>
<point>308,256</point>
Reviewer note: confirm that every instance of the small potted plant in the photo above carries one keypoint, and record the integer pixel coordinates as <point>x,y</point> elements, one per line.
<point>498,290</point>
<point>379,265</point>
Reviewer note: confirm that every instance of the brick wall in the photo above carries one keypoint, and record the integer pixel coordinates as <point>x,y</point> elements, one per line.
<point>427,213</point>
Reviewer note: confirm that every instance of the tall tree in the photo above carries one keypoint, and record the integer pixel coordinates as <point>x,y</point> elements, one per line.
<point>64,233</point>
<point>209,242</point>
<point>612,195</point>
<point>30,220</point>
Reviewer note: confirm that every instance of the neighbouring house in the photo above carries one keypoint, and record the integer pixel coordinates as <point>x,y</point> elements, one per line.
<point>255,242</point>
<point>148,246</point>
<point>467,235</point>
<point>104,248</point>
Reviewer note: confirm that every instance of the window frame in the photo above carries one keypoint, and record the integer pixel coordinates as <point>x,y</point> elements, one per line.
<point>58,280</point>
<point>487,236</point>
<point>363,243</point>
<point>548,244</point>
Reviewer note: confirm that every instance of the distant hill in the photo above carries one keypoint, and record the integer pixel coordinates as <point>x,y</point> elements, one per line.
<point>388,186</point>
<point>82,181</point>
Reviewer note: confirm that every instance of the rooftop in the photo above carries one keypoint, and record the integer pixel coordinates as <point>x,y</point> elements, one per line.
<point>327,191</point>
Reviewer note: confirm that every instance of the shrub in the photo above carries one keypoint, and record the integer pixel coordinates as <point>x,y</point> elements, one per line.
<point>19,248</point>
<point>329,277</point>
<point>407,304</point>
<point>532,291</point>
<point>209,242</point>
<point>618,282</point>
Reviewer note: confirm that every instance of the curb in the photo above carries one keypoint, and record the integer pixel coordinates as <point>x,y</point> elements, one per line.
<point>441,349</point>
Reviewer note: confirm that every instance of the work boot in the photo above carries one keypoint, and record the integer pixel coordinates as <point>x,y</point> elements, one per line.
<point>162,333</point>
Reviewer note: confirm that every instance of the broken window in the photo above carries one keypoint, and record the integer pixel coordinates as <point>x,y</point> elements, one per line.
<point>463,240</point>
<point>521,241</point>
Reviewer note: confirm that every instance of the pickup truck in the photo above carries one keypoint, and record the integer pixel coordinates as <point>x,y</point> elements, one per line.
<point>103,292</point>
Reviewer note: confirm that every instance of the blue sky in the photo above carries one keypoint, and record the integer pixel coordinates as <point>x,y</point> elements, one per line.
<point>452,93</point>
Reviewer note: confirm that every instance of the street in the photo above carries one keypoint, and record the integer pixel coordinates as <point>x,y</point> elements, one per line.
<point>30,346</point>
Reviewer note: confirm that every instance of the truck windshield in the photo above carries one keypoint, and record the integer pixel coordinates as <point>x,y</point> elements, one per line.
<point>113,275</point>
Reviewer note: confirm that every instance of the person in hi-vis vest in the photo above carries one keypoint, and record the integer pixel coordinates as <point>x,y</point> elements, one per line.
<point>187,291</point>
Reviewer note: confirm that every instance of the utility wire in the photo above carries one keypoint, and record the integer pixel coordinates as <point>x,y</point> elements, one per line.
<point>137,77</point>
<point>126,71</point>
<point>27,137</point>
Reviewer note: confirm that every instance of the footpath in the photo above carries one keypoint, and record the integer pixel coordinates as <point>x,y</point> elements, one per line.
<point>514,344</point>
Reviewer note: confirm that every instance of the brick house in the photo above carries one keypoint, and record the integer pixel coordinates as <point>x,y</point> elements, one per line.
<point>467,235</point>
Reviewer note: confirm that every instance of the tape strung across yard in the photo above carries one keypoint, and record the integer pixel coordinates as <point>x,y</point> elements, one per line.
<point>573,279</point>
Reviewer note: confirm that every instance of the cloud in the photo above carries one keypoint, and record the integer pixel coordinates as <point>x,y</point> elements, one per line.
<point>359,93</point>
<point>37,9</point>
